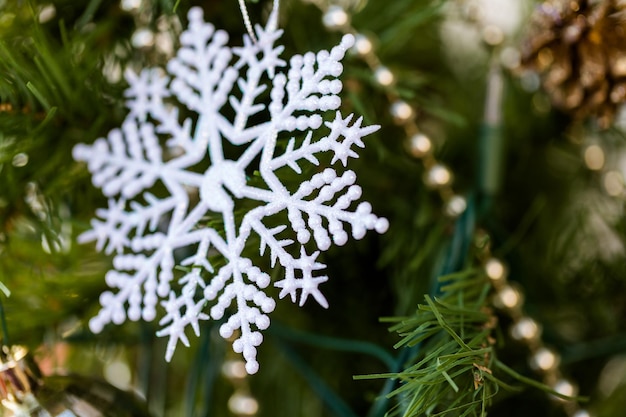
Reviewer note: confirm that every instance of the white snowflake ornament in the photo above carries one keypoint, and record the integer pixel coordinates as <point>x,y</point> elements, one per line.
<point>197,181</point>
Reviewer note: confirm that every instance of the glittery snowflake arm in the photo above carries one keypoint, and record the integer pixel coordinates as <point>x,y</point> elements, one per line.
<point>259,58</point>
<point>125,162</point>
<point>309,88</point>
<point>202,78</point>
<point>326,195</point>
<point>144,231</point>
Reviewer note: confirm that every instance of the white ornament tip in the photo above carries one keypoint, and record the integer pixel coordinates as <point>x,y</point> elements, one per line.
<point>321,300</point>
<point>118,316</point>
<point>80,152</point>
<point>340,239</point>
<point>348,41</point>
<point>226,331</point>
<point>148,314</point>
<point>252,367</point>
<point>272,21</point>
<point>96,325</point>
<point>195,14</point>
<point>382,225</point>
<point>134,313</point>
<point>169,351</point>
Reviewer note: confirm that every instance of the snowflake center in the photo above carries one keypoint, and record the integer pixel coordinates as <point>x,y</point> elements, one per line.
<point>219,177</point>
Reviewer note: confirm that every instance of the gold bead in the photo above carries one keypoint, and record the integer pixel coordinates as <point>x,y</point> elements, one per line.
<point>335,17</point>
<point>508,297</point>
<point>242,404</point>
<point>234,369</point>
<point>362,45</point>
<point>594,157</point>
<point>455,206</point>
<point>614,183</point>
<point>545,360</point>
<point>565,387</point>
<point>526,329</point>
<point>495,269</point>
<point>383,76</point>
<point>401,111</point>
<point>438,176</point>
<point>420,145</point>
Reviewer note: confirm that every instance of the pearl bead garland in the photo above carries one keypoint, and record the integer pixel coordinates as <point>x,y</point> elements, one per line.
<point>508,297</point>
<point>437,176</point>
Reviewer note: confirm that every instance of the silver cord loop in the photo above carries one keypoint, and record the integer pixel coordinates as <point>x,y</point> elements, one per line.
<point>246,17</point>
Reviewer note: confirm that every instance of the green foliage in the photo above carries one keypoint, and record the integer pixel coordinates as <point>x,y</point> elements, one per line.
<point>53,94</point>
<point>452,371</point>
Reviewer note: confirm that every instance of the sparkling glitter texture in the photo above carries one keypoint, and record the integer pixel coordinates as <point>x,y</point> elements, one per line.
<point>211,79</point>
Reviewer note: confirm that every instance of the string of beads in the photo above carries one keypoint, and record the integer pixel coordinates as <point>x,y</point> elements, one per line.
<point>508,297</point>
<point>437,176</point>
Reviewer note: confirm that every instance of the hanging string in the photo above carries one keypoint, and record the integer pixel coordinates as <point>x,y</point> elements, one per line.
<point>246,17</point>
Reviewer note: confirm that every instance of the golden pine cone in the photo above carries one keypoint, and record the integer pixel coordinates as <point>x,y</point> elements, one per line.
<point>579,49</point>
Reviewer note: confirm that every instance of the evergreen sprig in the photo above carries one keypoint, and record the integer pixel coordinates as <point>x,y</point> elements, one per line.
<point>452,371</point>
<point>455,371</point>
